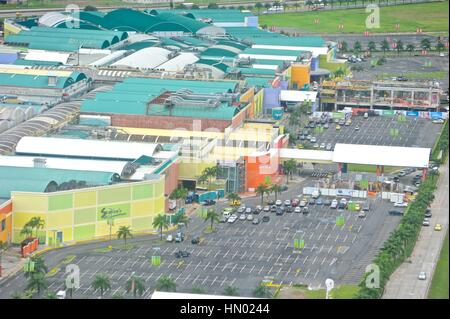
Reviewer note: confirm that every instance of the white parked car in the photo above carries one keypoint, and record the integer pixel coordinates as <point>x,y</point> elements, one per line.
<point>169,238</point>
<point>232,219</point>
<point>334,204</point>
<point>242,217</point>
<point>287,202</point>
<point>323,145</point>
<point>298,209</point>
<point>422,275</point>
<point>278,202</point>
<point>401,204</point>
<point>266,209</point>
<point>250,217</point>
<point>302,203</point>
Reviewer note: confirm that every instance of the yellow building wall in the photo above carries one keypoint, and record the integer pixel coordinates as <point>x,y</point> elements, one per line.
<point>300,75</point>
<point>10,29</point>
<point>191,170</point>
<point>80,215</point>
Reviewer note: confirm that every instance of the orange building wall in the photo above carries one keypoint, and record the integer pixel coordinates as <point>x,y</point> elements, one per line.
<point>300,75</point>
<point>6,220</point>
<point>259,168</point>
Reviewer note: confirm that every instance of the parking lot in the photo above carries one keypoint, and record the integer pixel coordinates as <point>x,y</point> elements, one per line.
<point>376,130</point>
<point>242,254</point>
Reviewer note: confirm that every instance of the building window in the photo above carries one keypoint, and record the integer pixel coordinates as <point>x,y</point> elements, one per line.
<point>3,227</point>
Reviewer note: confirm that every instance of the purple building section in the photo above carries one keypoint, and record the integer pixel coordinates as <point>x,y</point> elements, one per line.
<point>271,98</point>
<point>284,85</point>
<point>251,21</point>
<point>8,58</point>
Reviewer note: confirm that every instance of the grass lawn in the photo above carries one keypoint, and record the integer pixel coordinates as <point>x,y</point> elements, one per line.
<point>428,16</point>
<point>439,284</point>
<point>369,168</point>
<point>340,292</point>
<point>330,66</point>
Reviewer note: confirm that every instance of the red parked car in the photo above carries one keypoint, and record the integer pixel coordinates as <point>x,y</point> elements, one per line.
<point>295,202</point>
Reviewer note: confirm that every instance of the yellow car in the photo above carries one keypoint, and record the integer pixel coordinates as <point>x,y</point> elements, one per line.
<point>235,203</point>
<point>438,227</point>
<point>338,127</point>
<point>357,207</point>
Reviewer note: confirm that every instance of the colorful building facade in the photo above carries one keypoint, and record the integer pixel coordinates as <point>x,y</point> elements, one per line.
<point>90,213</point>
<point>5,221</point>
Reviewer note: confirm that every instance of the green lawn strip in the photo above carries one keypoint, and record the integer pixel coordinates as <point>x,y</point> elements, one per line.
<point>330,66</point>
<point>370,168</point>
<point>340,292</point>
<point>439,284</point>
<point>435,19</point>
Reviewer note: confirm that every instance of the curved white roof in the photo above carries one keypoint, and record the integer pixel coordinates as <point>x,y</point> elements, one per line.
<point>50,19</point>
<point>48,146</point>
<point>147,58</point>
<point>41,55</point>
<point>179,62</point>
<point>65,163</point>
<point>381,155</point>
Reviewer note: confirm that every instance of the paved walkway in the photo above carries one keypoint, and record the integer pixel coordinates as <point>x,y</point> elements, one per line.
<point>404,282</point>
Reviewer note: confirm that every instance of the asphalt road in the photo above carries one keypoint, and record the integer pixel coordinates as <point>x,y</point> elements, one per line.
<point>239,254</point>
<point>404,282</point>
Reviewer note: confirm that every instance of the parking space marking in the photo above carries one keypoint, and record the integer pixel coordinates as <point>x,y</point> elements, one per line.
<point>214,280</point>
<point>186,278</point>
<point>243,267</point>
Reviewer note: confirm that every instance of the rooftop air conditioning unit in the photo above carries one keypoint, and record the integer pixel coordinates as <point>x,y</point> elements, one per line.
<point>39,162</point>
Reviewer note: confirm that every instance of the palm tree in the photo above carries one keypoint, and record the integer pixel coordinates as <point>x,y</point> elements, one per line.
<point>425,44</point>
<point>136,286</point>
<point>102,282</point>
<point>309,3</point>
<point>258,7</point>
<point>37,281</point>
<point>26,231</point>
<point>36,223</point>
<point>165,283</point>
<point>275,189</point>
<point>233,197</point>
<point>160,222</point>
<point>231,291</point>
<point>289,167</point>
<point>344,46</point>
<point>357,46</point>
<point>124,232</point>
<point>410,47</point>
<point>400,47</point>
<point>39,266</point>
<point>267,5</point>
<point>16,295</point>
<point>262,291</point>
<point>260,190</point>
<point>440,46</point>
<point>371,46</point>
<point>384,46</point>
<point>212,216</point>
<point>296,6</point>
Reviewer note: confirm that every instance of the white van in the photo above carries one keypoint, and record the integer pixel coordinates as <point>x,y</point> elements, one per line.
<point>226,213</point>
<point>315,194</point>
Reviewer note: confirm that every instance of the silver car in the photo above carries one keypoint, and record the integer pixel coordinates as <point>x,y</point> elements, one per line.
<point>242,217</point>
<point>329,147</point>
<point>249,217</point>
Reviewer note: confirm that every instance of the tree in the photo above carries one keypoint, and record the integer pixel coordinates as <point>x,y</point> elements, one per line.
<point>160,222</point>
<point>136,286</point>
<point>344,46</point>
<point>309,3</point>
<point>371,46</point>
<point>425,44</point>
<point>262,291</point>
<point>197,290</point>
<point>260,190</point>
<point>241,8</point>
<point>165,283</point>
<point>440,46</point>
<point>90,8</point>
<point>267,5</point>
<point>212,216</point>
<point>275,189</point>
<point>290,167</point>
<point>39,266</point>
<point>258,7</point>
<point>26,231</point>
<point>16,295</point>
<point>231,291</point>
<point>38,282</point>
<point>357,47</point>
<point>51,295</point>
<point>213,6</point>
<point>399,46</point>
<point>384,46</point>
<point>250,7</point>
<point>209,173</point>
<point>101,282</point>
<point>124,232</point>
<point>233,197</point>
<point>296,6</point>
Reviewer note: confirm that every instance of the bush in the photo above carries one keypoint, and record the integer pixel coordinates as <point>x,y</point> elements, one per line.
<point>90,8</point>
<point>441,145</point>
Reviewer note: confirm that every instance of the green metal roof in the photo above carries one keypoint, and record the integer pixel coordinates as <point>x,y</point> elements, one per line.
<point>256,71</point>
<point>291,41</point>
<point>133,20</point>
<point>234,44</point>
<point>218,52</point>
<point>217,15</point>
<point>221,66</point>
<point>134,95</point>
<point>65,39</point>
<point>258,82</point>
<point>39,81</point>
<point>36,179</point>
<point>280,63</point>
<point>249,33</point>
<point>296,53</point>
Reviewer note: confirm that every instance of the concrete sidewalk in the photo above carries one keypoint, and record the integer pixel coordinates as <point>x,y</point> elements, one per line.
<point>12,262</point>
<point>404,282</point>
